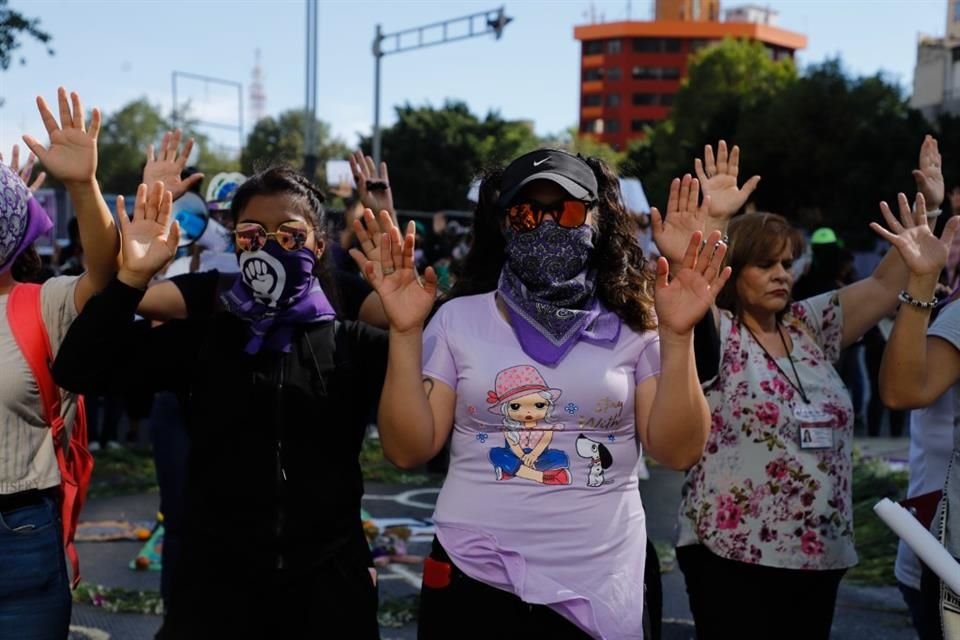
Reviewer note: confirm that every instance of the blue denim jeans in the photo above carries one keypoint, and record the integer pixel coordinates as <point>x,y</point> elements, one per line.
<point>34,587</point>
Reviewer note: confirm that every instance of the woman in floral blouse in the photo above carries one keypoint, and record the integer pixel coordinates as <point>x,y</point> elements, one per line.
<point>768,506</point>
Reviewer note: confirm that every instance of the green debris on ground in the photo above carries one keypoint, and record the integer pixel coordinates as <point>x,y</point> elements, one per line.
<point>124,471</point>
<point>398,612</point>
<point>118,600</point>
<point>873,479</point>
<point>666,554</point>
<point>376,468</point>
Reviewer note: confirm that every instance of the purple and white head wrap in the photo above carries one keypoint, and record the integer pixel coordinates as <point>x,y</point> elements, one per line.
<point>22,219</point>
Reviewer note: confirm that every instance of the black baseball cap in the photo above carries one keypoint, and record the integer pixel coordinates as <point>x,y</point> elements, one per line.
<point>560,167</point>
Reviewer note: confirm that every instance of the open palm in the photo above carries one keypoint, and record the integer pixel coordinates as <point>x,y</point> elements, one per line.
<point>718,179</point>
<point>146,241</point>
<point>168,165</point>
<point>684,217</point>
<point>928,174</point>
<point>407,300</point>
<point>682,301</point>
<point>364,172</point>
<point>923,253</point>
<point>72,154</point>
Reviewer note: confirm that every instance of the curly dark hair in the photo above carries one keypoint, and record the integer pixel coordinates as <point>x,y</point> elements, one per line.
<point>624,283</point>
<point>281,179</point>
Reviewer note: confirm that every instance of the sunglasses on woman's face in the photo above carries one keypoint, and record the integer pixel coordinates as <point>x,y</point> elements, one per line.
<point>251,236</point>
<point>527,216</point>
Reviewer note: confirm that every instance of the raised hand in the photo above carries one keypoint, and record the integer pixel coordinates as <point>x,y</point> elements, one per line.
<point>923,253</point>
<point>169,164</point>
<point>682,301</point>
<point>684,217</point>
<point>146,241</point>
<point>369,230</point>
<point>72,155</point>
<point>928,174</point>
<point>365,174</point>
<point>718,179</point>
<point>407,299</point>
<point>27,170</point>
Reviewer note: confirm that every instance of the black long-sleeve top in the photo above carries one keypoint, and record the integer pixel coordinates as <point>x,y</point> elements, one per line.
<point>275,437</point>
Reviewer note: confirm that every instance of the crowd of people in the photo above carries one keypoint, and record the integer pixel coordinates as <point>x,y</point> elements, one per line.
<point>541,347</point>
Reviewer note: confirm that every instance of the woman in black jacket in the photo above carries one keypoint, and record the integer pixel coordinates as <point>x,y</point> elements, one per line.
<point>278,390</point>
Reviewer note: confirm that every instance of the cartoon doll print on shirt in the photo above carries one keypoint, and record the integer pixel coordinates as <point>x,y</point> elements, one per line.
<point>526,407</point>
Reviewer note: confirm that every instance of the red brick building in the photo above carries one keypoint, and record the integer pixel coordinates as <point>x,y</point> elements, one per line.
<point>631,71</point>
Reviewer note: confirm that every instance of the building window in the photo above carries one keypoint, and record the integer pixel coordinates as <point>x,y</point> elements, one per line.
<point>611,125</point>
<point>592,100</point>
<point>638,126</point>
<point>657,45</point>
<point>592,47</point>
<point>655,73</point>
<point>666,99</point>
<point>956,12</point>
<point>613,100</point>
<point>589,75</point>
<point>613,73</point>
<point>699,43</point>
<point>645,99</point>
<point>613,46</point>
<point>591,126</point>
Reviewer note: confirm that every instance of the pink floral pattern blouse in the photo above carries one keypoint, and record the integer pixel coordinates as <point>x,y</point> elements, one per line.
<point>756,496</point>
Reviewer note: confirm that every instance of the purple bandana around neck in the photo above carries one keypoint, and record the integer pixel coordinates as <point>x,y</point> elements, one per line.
<point>22,219</point>
<point>274,293</point>
<point>550,292</point>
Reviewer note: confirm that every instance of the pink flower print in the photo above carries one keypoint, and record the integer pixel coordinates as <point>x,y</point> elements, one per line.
<point>728,513</point>
<point>810,544</point>
<point>777,469</point>
<point>807,499</point>
<point>767,534</point>
<point>768,413</point>
<point>716,422</point>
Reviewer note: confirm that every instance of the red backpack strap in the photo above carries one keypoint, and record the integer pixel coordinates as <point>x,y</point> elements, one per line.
<point>25,316</point>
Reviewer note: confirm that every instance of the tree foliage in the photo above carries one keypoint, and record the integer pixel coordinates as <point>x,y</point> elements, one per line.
<point>13,26</point>
<point>435,153</point>
<point>828,146</point>
<point>281,140</point>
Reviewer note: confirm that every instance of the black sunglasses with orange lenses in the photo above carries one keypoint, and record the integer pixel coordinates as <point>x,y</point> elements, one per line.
<point>527,216</point>
<point>292,235</point>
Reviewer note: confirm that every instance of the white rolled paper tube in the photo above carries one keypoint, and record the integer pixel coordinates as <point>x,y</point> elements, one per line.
<point>921,541</point>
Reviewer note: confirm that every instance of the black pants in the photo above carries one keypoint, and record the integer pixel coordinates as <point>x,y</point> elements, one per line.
<point>467,608</point>
<point>732,599</point>
<point>873,355</point>
<point>924,607</point>
<point>212,602</point>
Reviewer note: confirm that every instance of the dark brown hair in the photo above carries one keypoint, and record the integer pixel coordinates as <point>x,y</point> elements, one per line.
<point>754,238</point>
<point>28,266</point>
<point>624,283</point>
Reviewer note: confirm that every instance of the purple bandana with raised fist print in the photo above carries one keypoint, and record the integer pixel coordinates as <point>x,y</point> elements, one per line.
<point>274,292</point>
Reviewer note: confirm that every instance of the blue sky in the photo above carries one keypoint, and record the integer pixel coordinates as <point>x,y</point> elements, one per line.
<point>115,51</point>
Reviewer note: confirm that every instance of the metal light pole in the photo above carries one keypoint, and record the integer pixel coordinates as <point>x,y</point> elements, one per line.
<point>492,21</point>
<point>310,112</point>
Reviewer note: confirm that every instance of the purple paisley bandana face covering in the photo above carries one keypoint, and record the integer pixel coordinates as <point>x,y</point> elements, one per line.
<point>274,292</point>
<point>22,219</point>
<point>551,294</point>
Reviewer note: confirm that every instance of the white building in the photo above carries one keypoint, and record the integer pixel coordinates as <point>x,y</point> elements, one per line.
<point>936,78</point>
<point>751,13</point>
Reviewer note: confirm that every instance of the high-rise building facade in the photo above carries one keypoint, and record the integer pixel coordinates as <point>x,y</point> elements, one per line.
<point>631,71</point>
<point>936,78</point>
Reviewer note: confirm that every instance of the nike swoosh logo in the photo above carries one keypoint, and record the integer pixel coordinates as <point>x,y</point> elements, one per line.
<point>537,163</point>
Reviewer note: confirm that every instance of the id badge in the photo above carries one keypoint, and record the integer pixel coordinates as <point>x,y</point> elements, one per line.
<point>816,430</point>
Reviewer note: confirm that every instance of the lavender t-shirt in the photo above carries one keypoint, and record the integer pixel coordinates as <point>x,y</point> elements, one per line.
<point>541,499</point>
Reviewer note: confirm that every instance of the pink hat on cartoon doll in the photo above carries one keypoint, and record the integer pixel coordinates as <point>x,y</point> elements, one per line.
<point>517,382</point>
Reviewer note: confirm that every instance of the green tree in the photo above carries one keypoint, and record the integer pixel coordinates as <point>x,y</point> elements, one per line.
<point>13,26</point>
<point>280,140</point>
<point>573,141</point>
<point>435,153</point>
<point>726,82</point>
<point>123,144</point>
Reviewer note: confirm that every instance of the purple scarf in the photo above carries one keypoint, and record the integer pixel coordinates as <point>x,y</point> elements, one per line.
<point>274,293</point>
<point>22,219</point>
<point>550,292</point>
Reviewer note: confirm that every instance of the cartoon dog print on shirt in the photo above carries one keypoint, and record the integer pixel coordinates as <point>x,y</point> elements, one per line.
<point>526,407</point>
<point>599,456</point>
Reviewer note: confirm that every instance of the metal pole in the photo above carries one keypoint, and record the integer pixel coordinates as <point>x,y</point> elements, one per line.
<point>240,114</point>
<point>376,95</point>
<point>310,112</point>
<point>173,81</point>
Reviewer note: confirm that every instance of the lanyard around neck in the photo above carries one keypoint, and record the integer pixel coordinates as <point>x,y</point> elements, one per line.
<point>798,386</point>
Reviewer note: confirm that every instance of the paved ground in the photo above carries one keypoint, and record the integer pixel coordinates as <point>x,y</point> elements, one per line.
<point>862,612</point>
